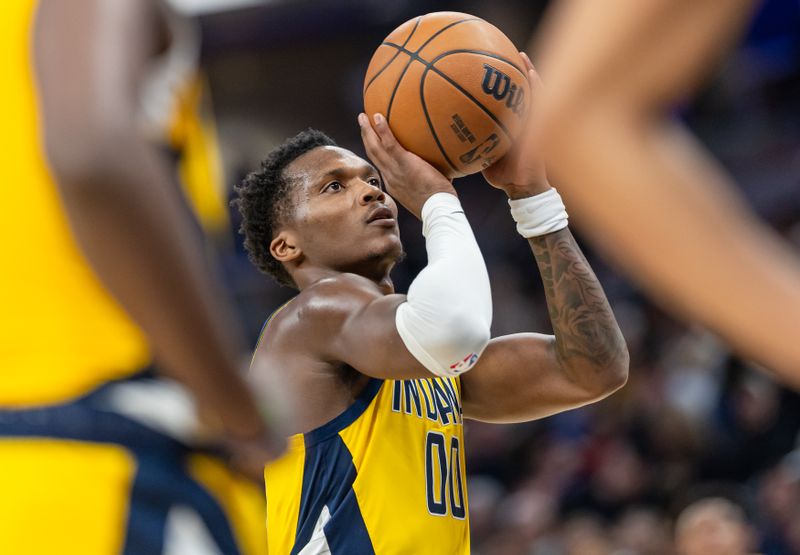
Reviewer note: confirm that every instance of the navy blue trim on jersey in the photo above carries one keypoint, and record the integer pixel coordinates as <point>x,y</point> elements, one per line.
<point>160,485</point>
<point>347,533</point>
<point>147,515</point>
<point>328,477</point>
<point>350,415</point>
<point>87,419</point>
<point>161,480</point>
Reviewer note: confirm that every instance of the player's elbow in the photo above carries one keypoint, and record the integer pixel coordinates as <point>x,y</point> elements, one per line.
<point>610,374</point>
<point>462,340</point>
<point>616,374</point>
<point>85,158</point>
<point>470,331</point>
<point>600,377</point>
<point>446,345</point>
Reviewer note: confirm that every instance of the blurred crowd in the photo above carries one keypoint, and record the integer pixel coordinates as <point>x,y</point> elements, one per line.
<point>613,478</point>
<point>697,454</point>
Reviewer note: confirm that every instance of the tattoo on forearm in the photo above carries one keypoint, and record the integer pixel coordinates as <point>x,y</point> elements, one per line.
<point>582,320</point>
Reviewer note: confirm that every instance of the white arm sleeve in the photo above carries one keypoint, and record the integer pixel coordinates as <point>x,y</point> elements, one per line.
<point>446,319</point>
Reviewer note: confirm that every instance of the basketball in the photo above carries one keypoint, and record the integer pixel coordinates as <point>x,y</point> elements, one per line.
<point>453,90</point>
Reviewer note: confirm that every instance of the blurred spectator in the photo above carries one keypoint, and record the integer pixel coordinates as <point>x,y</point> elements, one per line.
<point>617,477</point>
<point>713,526</point>
<point>778,497</point>
<point>642,531</point>
<point>758,424</point>
<point>586,535</point>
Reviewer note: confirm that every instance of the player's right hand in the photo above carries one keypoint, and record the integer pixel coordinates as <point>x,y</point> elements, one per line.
<point>521,172</point>
<point>408,178</point>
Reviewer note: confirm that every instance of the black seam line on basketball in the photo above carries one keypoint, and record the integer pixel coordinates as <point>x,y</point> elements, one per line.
<point>394,90</point>
<point>480,53</point>
<point>396,54</point>
<point>430,123</point>
<point>472,98</point>
<point>430,66</point>
<point>415,56</point>
<point>412,55</point>
<point>442,30</point>
<point>405,69</point>
<point>468,95</point>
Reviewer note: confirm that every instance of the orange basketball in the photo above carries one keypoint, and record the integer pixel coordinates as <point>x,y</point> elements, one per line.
<point>453,89</point>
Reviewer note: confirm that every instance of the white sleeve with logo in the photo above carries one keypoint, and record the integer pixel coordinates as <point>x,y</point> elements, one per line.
<point>446,319</point>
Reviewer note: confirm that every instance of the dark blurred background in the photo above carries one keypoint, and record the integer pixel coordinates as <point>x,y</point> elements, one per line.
<point>693,420</point>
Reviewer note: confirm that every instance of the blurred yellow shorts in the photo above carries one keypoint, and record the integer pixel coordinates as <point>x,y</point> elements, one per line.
<point>78,480</point>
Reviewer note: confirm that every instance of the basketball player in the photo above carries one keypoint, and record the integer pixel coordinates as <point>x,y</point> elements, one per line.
<point>669,216</point>
<point>93,448</point>
<point>380,381</point>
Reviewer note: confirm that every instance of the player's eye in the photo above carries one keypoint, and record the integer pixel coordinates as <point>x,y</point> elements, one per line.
<point>332,187</point>
<point>375,182</point>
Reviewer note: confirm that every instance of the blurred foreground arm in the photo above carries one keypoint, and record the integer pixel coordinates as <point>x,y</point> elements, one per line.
<point>123,209</point>
<point>528,375</point>
<point>646,193</point>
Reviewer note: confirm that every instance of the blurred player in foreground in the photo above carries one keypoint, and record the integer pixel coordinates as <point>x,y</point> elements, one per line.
<point>646,193</point>
<point>379,380</point>
<point>94,455</point>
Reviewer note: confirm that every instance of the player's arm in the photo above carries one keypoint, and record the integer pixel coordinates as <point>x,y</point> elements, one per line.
<point>125,213</point>
<point>527,376</point>
<point>442,326</point>
<point>669,214</point>
<point>347,319</point>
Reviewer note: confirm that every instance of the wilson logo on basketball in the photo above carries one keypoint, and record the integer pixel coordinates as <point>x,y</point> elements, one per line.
<point>499,85</point>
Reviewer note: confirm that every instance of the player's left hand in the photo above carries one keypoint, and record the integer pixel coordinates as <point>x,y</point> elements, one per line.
<point>521,172</point>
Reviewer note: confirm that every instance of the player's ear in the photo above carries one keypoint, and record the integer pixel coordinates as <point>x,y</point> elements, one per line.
<point>285,247</point>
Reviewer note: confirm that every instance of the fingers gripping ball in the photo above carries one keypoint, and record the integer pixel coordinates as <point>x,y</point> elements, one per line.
<point>452,88</point>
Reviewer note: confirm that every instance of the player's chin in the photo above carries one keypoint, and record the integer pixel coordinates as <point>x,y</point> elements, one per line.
<point>387,246</point>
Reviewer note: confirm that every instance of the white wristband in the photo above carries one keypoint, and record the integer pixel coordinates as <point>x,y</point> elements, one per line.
<point>540,214</point>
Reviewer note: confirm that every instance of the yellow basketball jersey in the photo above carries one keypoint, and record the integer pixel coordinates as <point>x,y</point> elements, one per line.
<point>61,333</point>
<point>386,476</point>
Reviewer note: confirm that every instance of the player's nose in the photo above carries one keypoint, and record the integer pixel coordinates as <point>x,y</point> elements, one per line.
<point>371,193</point>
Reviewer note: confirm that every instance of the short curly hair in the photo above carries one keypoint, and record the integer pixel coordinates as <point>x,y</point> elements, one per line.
<point>263,200</point>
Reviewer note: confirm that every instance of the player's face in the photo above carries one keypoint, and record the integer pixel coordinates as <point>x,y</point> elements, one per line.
<point>342,215</point>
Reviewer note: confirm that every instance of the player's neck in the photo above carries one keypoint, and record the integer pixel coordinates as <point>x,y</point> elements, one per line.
<point>380,276</point>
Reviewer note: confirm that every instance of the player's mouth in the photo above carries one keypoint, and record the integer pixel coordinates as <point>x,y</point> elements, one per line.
<point>382,216</point>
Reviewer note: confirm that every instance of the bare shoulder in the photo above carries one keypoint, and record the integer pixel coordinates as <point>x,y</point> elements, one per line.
<point>297,356</point>
<point>322,309</point>
<point>343,322</point>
